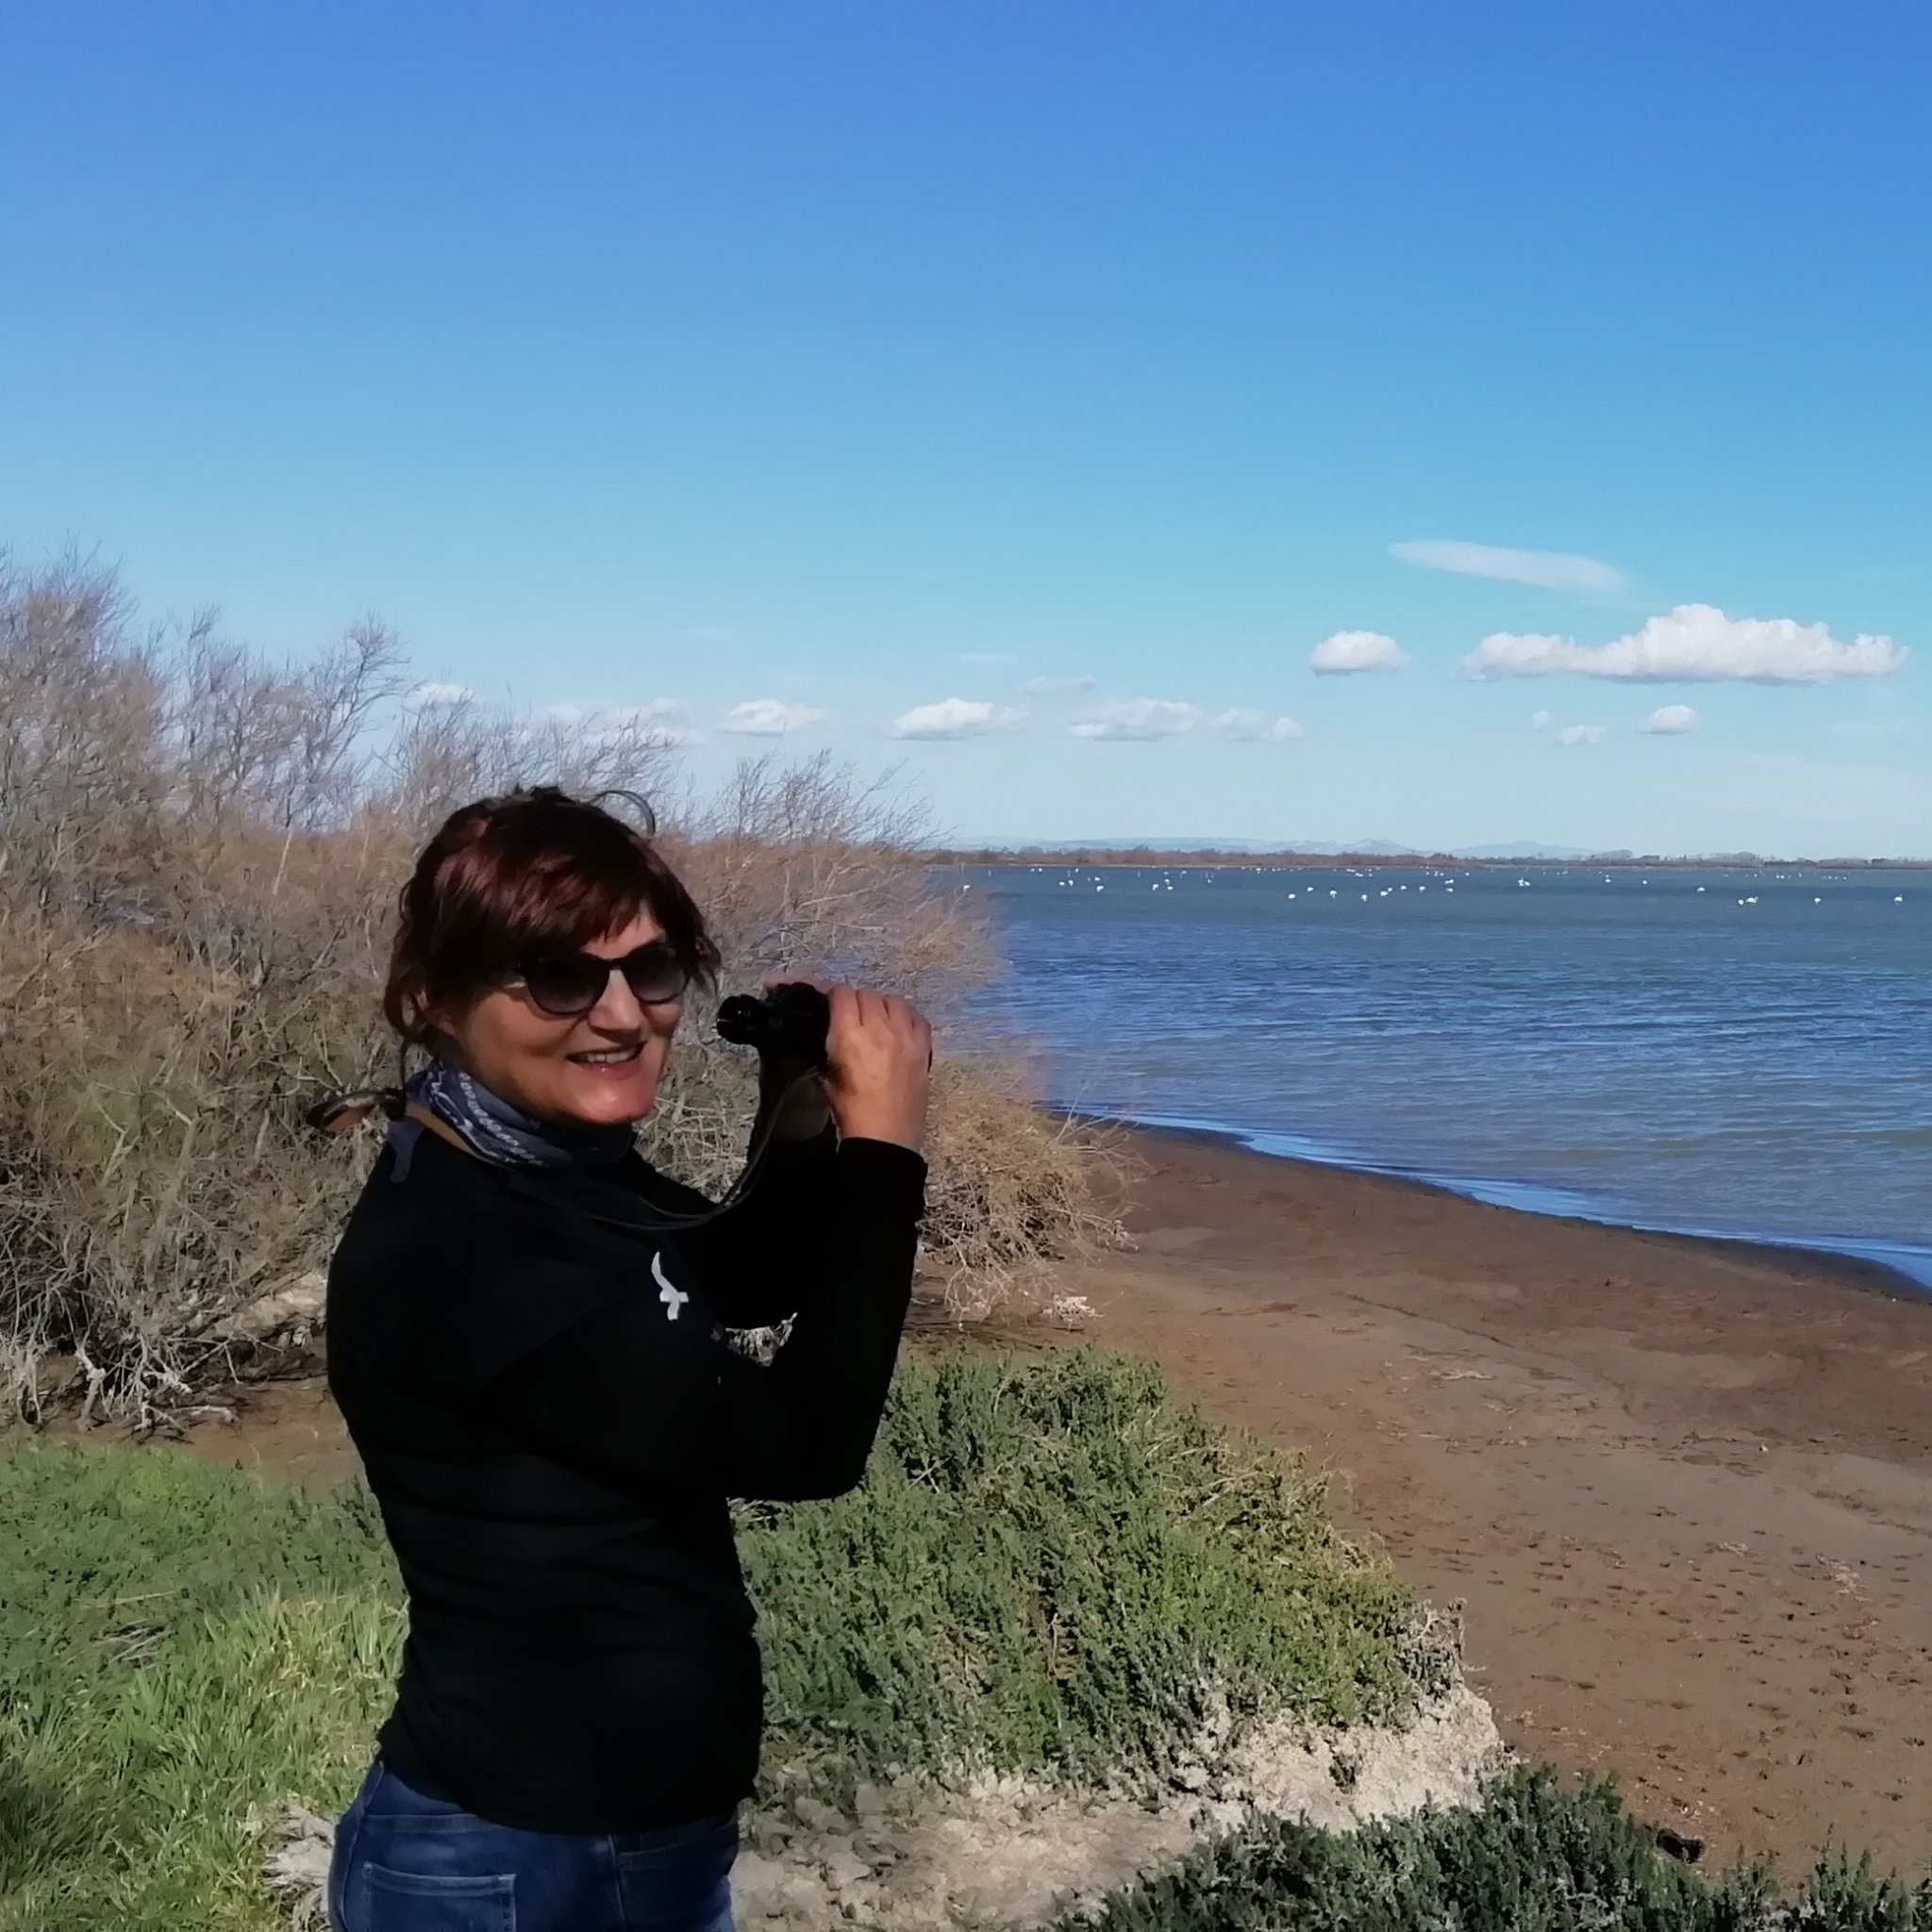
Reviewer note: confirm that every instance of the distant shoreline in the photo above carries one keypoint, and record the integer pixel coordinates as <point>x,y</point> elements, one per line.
<point>1862,1265</point>
<point>1094,859</point>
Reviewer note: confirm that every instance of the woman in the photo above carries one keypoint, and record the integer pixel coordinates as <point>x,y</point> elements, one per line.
<point>524,1337</point>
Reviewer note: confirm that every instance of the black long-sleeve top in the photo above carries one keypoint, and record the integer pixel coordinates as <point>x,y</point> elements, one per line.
<point>535,1377</point>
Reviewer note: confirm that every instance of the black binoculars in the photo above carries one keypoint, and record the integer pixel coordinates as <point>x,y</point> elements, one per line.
<point>789,1021</point>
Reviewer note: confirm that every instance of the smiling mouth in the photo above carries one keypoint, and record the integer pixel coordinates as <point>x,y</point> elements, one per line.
<point>610,1056</point>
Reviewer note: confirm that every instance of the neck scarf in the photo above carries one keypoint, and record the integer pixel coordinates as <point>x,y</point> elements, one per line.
<point>496,1131</point>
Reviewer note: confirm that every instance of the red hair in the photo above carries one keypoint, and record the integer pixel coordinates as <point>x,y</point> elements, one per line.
<point>514,878</point>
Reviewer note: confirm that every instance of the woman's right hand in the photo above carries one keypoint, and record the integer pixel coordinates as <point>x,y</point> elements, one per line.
<point>879,1053</point>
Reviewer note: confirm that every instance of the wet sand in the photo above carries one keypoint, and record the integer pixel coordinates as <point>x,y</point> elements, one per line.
<point>1683,1488</point>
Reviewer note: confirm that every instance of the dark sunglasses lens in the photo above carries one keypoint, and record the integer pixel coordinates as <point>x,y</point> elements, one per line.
<point>568,985</point>
<point>656,974</point>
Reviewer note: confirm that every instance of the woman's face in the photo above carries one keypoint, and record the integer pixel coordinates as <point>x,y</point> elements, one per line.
<point>596,1069</point>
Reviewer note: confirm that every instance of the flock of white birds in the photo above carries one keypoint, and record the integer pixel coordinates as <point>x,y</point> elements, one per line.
<point>1445,881</point>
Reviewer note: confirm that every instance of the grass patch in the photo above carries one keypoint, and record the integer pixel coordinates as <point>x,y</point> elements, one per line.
<point>105,1552</point>
<point>1536,1857</point>
<point>1050,1568</point>
<point>181,1648</point>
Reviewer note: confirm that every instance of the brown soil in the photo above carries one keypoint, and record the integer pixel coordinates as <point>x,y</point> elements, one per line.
<point>287,1429</point>
<point>1683,1488</point>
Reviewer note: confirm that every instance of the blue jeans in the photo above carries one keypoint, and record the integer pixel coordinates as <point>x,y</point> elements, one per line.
<point>406,1862</point>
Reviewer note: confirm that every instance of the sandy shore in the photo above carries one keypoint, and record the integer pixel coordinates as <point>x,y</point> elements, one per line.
<point>1683,1488</point>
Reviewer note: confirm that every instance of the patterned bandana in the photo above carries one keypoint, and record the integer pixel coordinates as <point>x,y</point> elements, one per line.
<point>494,1130</point>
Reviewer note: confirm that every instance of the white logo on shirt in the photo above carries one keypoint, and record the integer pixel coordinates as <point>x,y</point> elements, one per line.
<point>673,1298</point>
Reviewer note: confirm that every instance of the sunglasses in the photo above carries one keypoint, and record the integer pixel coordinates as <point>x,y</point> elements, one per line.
<point>567,984</point>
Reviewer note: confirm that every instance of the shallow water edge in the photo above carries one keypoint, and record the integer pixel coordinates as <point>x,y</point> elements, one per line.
<point>1891,1268</point>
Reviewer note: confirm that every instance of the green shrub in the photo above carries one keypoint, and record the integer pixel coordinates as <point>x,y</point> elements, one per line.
<point>1057,1568</point>
<point>1536,1857</point>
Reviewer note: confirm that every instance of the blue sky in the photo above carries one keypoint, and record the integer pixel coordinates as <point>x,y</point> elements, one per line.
<point>862,356</point>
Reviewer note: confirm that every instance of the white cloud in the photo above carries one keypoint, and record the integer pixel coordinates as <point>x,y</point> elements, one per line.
<point>1583,734</point>
<point>650,712</point>
<point>1694,644</point>
<point>1540,721</point>
<point>1056,687</point>
<point>647,724</point>
<point>1551,570</point>
<point>1357,650</point>
<point>955,717</point>
<point>647,713</point>
<point>1256,726</point>
<point>1138,718</point>
<point>441,694</point>
<point>768,718</point>
<point>1670,720</point>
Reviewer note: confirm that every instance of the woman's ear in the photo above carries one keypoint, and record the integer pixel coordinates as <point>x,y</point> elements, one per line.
<point>434,1026</point>
<point>438,1040</point>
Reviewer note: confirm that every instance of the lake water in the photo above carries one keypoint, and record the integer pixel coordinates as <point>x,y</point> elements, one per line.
<point>1733,1052</point>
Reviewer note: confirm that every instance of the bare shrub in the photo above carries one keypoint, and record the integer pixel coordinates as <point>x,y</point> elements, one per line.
<point>199,855</point>
<point>186,936</point>
<point>806,868</point>
<point>803,869</point>
<point>1013,1188</point>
